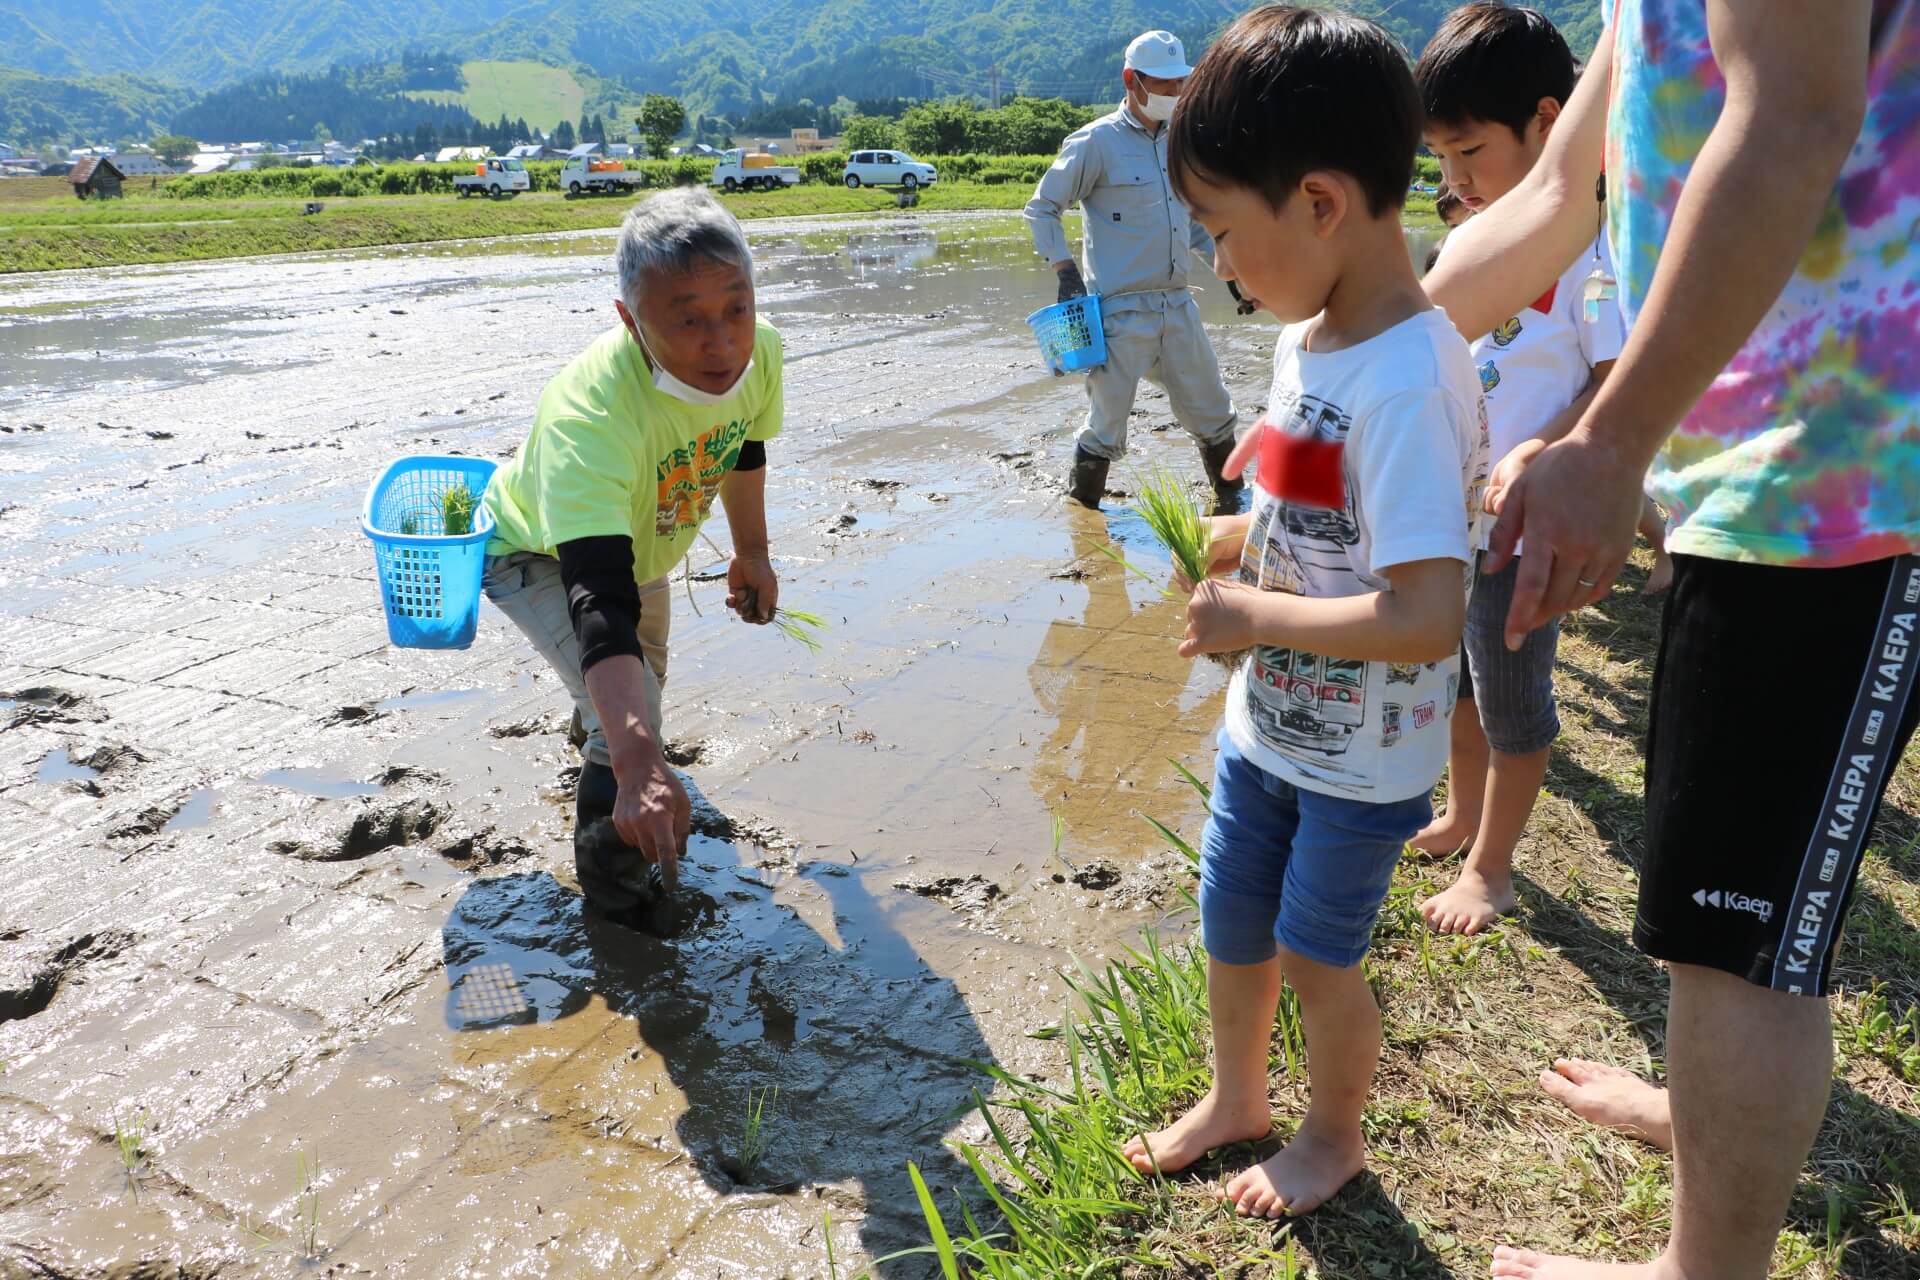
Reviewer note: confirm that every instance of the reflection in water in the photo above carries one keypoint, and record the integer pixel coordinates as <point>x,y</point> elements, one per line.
<point>1114,682</point>
<point>624,1038</point>
<point>891,252</point>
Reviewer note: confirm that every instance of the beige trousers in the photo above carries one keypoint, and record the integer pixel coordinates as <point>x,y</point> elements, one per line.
<point>527,588</point>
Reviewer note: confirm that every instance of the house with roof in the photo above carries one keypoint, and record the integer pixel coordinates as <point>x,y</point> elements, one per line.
<point>141,164</point>
<point>95,176</point>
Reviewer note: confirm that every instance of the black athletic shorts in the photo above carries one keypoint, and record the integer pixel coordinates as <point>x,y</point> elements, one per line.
<point>1782,701</point>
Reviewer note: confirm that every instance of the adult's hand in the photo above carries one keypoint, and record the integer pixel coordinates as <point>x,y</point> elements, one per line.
<point>1072,284</point>
<point>651,812</point>
<point>1576,505</point>
<point>753,589</point>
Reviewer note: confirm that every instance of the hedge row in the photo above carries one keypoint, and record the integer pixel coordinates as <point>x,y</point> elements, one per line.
<point>429,179</point>
<point>399,179</point>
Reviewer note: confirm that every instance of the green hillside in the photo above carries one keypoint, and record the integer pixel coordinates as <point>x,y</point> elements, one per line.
<point>547,60</point>
<point>36,109</point>
<point>542,96</point>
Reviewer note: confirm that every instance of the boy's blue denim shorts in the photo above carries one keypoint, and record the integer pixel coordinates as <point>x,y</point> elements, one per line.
<point>1301,869</point>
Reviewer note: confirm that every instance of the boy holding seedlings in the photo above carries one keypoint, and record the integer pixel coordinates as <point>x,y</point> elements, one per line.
<point>1293,145</point>
<point>1493,81</point>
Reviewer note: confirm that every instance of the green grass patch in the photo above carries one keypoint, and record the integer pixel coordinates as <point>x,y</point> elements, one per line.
<point>543,96</point>
<point>55,237</point>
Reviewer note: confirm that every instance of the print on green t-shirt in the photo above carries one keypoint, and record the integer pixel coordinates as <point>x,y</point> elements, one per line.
<point>612,455</point>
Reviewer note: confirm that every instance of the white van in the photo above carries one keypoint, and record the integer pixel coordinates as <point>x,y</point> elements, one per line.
<point>888,169</point>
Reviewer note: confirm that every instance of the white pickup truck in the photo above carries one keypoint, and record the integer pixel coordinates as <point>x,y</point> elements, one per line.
<point>740,171</point>
<point>581,174</point>
<point>496,178</point>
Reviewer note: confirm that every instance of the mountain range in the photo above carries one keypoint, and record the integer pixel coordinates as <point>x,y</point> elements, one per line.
<point>723,57</point>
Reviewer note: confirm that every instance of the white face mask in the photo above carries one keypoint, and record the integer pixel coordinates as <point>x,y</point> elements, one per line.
<point>666,384</point>
<point>1159,108</point>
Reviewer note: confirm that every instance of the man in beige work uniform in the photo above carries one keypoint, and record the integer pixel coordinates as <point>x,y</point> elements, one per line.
<point>1139,242</point>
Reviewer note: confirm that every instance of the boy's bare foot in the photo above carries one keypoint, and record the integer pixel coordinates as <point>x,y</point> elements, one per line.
<point>1612,1098</point>
<point>1471,904</point>
<point>1449,833</point>
<point>1210,1125</point>
<point>1524,1264</point>
<point>1660,577</point>
<point>1298,1178</point>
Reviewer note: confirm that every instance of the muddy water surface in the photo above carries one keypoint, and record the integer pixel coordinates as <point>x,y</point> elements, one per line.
<point>294,911</point>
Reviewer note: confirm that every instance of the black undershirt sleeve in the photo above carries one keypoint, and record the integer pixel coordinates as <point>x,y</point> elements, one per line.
<point>752,456</point>
<point>602,598</point>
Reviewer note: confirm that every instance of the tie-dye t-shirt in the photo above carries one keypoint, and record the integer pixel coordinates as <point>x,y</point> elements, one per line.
<point>1806,450</point>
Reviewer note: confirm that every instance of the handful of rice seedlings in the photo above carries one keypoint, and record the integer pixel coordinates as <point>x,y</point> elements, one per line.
<point>797,624</point>
<point>457,506</point>
<point>1169,510</point>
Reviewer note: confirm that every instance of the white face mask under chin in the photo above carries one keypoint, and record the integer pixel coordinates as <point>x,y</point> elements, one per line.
<point>668,385</point>
<point>1159,108</point>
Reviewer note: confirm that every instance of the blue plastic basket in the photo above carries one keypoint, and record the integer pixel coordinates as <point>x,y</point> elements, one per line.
<point>1070,335</point>
<point>429,580</point>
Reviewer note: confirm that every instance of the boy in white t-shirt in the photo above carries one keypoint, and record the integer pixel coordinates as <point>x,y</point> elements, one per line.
<point>1293,145</point>
<point>1493,80</point>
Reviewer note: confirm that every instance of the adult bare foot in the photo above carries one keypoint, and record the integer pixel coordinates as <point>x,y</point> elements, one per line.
<point>1212,1123</point>
<point>1447,834</point>
<point>1613,1098</point>
<point>1298,1178</point>
<point>1524,1264</point>
<point>1471,904</point>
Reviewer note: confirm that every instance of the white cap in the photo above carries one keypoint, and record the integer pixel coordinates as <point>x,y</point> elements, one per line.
<point>1159,54</point>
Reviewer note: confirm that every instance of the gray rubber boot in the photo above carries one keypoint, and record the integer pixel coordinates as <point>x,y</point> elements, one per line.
<point>1227,494</point>
<point>615,879</point>
<point>1088,481</point>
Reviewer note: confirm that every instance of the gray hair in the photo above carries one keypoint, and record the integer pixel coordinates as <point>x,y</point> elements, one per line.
<point>670,231</point>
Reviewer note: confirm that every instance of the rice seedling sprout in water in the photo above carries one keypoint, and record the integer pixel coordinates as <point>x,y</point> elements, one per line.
<point>130,1137</point>
<point>757,1133</point>
<point>307,1169</point>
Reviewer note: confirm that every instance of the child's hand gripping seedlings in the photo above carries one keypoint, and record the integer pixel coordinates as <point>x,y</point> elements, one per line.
<point>1190,538</point>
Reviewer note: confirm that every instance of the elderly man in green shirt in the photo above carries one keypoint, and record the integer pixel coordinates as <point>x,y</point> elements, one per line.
<point>631,443</point>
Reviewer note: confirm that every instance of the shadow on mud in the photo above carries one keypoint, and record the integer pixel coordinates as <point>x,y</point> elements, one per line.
<point>817,995</point>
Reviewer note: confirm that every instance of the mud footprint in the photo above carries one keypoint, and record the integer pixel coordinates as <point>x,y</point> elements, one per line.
<point>44,704</point>
<point>29,987</point>
<point>376,824</point>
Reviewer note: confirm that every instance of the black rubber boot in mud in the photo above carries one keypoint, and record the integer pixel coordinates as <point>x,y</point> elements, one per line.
<point>616,881</point>
<point>1088,482</point>
<point>1227,494</point>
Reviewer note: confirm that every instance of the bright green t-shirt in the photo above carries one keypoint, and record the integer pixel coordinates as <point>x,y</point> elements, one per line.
<point>611,455</point>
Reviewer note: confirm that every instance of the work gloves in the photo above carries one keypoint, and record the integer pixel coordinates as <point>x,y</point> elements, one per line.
<point>1072,285</point>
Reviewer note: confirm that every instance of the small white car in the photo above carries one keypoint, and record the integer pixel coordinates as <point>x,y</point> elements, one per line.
<point>888,169</point>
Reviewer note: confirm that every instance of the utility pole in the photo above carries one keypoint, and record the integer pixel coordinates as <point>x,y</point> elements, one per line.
<point>993,82</point>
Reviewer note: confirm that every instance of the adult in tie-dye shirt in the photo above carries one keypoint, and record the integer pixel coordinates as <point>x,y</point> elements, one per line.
<point>1806,450</point>
<point>1763,176</point>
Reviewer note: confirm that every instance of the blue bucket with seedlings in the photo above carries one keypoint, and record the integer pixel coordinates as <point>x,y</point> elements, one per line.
<point>429,528</point>
<point>1069,333</point>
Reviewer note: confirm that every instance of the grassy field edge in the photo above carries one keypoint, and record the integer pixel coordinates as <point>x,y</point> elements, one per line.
<point>51,235</point>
